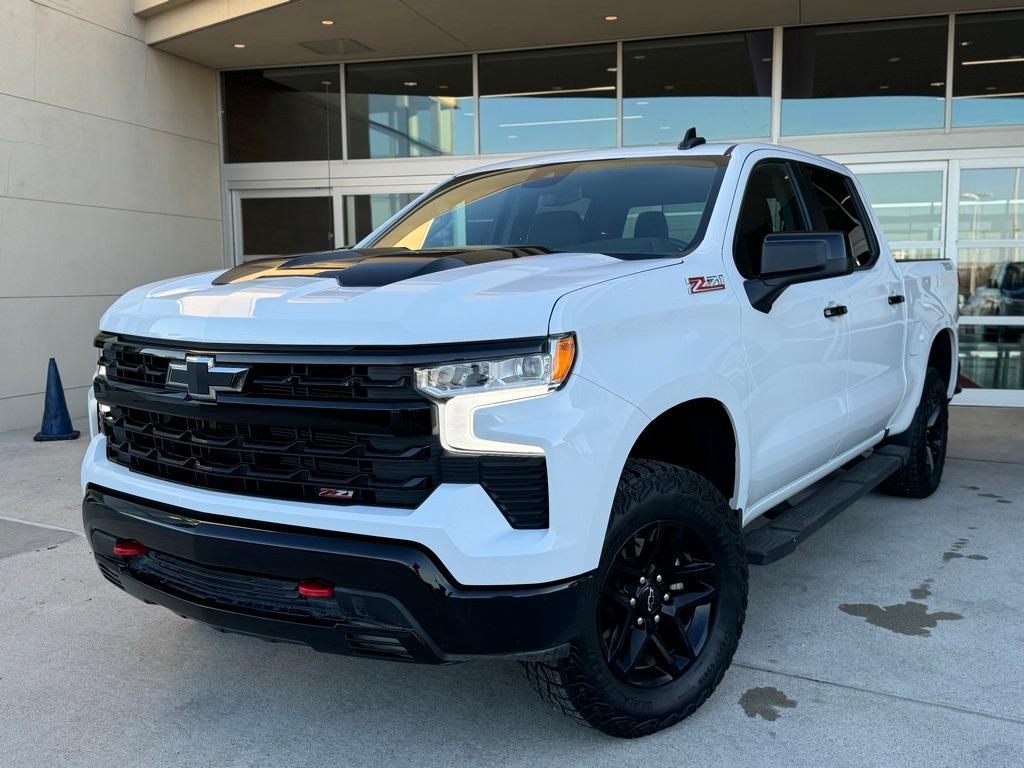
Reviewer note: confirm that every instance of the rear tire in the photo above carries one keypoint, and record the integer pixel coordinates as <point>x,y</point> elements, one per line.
<point>645,662</point>
<point>926,437</point>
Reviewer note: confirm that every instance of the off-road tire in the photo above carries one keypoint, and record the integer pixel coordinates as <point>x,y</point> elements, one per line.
<point>582,685</point>
<point>926,440</point>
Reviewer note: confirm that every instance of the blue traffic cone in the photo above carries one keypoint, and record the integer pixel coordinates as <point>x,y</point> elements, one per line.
<point>56,419</point>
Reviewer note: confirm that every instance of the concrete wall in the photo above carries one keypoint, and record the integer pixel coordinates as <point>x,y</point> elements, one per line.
<point>109,177</point>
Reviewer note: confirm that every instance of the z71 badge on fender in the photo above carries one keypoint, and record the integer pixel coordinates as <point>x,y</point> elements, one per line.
<point>706,283</point>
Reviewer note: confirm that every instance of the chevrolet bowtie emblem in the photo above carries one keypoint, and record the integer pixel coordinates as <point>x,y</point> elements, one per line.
<point>202,378</point>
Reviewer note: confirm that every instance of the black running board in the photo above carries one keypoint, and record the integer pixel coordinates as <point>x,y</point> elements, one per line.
<point>775,540</point>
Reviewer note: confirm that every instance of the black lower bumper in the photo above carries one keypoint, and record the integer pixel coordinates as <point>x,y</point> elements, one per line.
<point>390,599</point>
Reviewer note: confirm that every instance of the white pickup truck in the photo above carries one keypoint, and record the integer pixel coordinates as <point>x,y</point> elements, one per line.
<point>550,411</point>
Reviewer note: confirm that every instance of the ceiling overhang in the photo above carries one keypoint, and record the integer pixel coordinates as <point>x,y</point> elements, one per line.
<point>278,32</point>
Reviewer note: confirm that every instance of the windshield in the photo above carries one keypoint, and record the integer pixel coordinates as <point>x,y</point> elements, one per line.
<point>639,207</point>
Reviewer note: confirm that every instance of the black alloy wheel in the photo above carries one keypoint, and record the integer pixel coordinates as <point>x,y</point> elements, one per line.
<point>657,604</point>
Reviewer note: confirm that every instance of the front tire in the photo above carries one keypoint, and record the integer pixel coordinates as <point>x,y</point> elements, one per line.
<point>667,612</point>
<point>926,437</point>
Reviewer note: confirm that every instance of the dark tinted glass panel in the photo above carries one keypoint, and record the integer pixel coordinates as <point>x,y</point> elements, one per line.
<point>274,115</point>
<point>844,78</point>
<point>668,86</point>
<point>364,213</point>
<point>988,76</point>
<point>553,99</point>
<point>991,357</point>
<point>840,209</point>
<point>991,281</point>
<point>410,108</point>
<point>770,205</point>
<point>282,225</point>
<point>629,207</point>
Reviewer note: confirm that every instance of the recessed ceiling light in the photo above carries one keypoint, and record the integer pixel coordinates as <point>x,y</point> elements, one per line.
<point>894,59</point>
<point>327,22</point>
<point>612,69</point>
<point>443,87</point>
<point>965,42</point>
<point>611,17</point>
<point>639,57</point>
<point>766,59</point>
<point>883,87</point>
<point>990,87</point>
<point>326,82</point>
<point>937,84</point>
<point>410,83</point>
<point>670,87</point>
<point>239,45</point>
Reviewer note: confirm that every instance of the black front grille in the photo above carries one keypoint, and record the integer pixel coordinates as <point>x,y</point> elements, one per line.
<point>142,366</point>
<point>287,462</point>
<point>315,429</point>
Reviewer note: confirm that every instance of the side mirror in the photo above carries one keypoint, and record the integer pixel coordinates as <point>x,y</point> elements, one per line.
<point>797,257</point>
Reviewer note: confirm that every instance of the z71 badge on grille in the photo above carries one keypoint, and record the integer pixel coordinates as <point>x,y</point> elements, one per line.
<point>706,283</point>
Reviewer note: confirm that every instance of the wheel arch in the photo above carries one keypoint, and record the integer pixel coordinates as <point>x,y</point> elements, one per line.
<point>942,356</point>
<point>699,434</point>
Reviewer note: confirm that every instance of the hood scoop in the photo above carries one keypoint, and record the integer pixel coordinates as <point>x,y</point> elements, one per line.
<point>372,267</point>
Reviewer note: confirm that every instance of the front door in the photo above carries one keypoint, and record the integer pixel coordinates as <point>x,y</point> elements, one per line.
<point>796,355</point>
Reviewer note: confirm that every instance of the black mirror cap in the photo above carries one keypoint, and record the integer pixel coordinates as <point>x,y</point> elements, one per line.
<point>797,257</point>
<point>804,253</point>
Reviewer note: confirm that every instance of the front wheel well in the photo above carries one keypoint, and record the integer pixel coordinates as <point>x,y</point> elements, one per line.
<point>697,435</point>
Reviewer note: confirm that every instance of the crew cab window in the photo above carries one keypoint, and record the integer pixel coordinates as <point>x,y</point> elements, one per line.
<point>842,211</point>
<point>770,205</point>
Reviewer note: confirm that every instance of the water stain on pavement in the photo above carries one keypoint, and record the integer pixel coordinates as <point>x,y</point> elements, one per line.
<point>765,702</point>
<point>953,552</point>
<point>922,590</point>
<point>909,618</point>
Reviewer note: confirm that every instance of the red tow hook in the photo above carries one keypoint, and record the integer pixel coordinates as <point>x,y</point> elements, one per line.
<point>129,548</point>
<point>315,588</point>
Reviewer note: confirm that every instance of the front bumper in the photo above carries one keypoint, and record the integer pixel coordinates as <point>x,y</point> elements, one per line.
<point>391,599</point>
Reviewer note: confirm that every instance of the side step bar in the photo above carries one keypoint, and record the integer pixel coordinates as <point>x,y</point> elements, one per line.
<point>791,526</point>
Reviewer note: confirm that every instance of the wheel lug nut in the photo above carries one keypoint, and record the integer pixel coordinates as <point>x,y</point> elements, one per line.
<point>658,578</point>
<point>666,597</point>
<point>640,622</point>
<point>642,581</point>
<point>632,601</point>
<point>657,618</point>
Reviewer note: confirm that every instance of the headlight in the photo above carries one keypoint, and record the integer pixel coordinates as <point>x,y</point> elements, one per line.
<point>543,369</point>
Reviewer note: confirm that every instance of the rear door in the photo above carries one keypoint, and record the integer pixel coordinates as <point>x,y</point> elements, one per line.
<point>876,307</point>
<point>797,356</point>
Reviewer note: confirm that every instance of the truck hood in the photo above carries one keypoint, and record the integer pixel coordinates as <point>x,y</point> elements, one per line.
<point>367,297</point>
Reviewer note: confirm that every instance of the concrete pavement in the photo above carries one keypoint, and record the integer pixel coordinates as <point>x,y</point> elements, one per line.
<point>893,637</point>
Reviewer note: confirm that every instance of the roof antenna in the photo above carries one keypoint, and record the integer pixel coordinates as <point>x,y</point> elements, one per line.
<point>691,139</point>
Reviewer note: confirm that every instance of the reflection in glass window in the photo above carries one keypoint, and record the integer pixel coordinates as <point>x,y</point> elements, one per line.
<point>561,98</point>
<point>285,114</point>
<point>364,213</point>
<point>908,205</point>
<point>988,77</point>
<point>879,76</point>
<point>285,225</point>
<point>991,357</point>
<point>992,204</point>
<point>668,86</point>
<point>617,207</point>
<point>991,281</point>
<point>410,108</point>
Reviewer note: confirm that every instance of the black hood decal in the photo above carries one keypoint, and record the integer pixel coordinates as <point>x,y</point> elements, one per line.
<point>372,267</point>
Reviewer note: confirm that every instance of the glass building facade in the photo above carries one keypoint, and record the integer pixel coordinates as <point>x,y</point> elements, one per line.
<point>317,157</point>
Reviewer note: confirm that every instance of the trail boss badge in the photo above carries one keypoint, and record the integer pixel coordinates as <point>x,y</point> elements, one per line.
<point>706,283</point>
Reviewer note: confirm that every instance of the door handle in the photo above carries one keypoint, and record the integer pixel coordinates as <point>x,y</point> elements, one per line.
<point>899,298</point>
<point>836,311</point>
